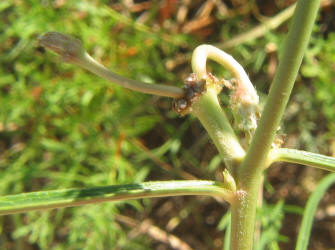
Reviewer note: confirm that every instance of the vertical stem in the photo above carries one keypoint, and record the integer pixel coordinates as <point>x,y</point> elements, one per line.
<point>290,61</point>
<point>258,225</point>
<point>250,171</point>
<point>244,216</point>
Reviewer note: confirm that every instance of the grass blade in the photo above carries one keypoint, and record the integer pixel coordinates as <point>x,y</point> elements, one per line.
<point>311,206</point>
<point>226,244</point>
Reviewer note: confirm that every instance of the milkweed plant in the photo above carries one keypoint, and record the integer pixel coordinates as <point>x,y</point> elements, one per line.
<point>245,160</point>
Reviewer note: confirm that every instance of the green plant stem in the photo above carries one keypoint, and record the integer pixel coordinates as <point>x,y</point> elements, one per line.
<point>249,172</point>
<point>303,158</point>
<point>290,61</point>
<point>243,213</point>
<point>208,110</point>
<point>75,197</point>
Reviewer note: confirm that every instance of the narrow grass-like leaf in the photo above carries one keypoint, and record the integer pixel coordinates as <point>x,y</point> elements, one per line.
<point>75,197</point>
<point>225,225</point>
<point>226,244</point>
<point>304,158</point>
<point>311,206</point>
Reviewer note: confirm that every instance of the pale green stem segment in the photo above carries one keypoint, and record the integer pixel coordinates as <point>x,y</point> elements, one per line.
<point>250,171</point>
<point>199,61</point>
<point>303,158</point>
<point>72,51</point>
<point>243,213</point>
<point>208,110</point>
<point>75,197</point>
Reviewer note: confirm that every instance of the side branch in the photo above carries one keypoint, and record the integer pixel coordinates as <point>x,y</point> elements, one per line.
<point>72,51</point>
<point>303,158</point>
<point>25,202</point>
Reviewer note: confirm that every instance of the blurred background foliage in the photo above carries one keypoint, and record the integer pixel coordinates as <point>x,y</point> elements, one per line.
<point>63,127</point>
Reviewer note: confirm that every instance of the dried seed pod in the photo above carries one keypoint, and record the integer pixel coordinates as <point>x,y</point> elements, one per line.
<point>199,87</point>
<point>193,89</point>
<point>190,79</point>
<point>180,106</point>
<point>189,92</point>
<point>68,47</point>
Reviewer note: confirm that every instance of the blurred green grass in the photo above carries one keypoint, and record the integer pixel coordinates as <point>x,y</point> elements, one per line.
<point>63,127</point>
